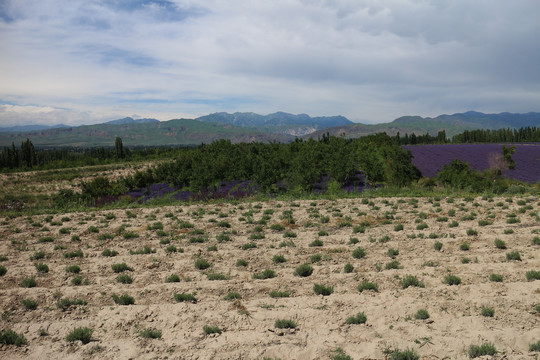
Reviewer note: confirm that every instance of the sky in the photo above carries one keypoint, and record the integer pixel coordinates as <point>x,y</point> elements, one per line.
<point>83,62</point>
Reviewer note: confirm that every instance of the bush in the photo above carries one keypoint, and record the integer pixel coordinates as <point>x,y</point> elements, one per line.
<point>408,354</point>
<point>499,244</point>
<point>464,247</point>
<point>366,285</point>
<point>316,243</point>
<point>64,304</point>
<point>484,349</point>
<point>266,274</point>
<point>118,268</point>
<point>29,304</point>
<point>411,280</point>
<point>488,312</point>
<point>323,290</point>
<point>29,282</point>
<point>124,299</point>
<point>532,275</point>
<point>421,314</point>
<point>108,252</point>
<point>10,337</point>
<point>202,264</point>
<point>216,276</point>
<point>41,268</point>
<point>495,278</point>
<point>304,270</point>
<point>359,253</point>
<point>185,297</point>
<point>279,294</point>
<point>172,279</point>
<point>452,280</point>
<point>278,259</point>
<point>74,269</point>
<point>124,279</point>
<point>348,268</point>
<point>207,330</point>
<point>71,254</point>
<point>233,295</point>
<point>285,324</point>
<point>241,262</point>
<point>360,318</point>
<point>151,333</point>
<point>535,346</point>
<point>514,255</point>
<point>339,354</point>
<point>438,245</point>
<point>83,334</point>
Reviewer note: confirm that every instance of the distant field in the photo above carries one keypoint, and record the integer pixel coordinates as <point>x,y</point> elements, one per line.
<point>429,159</point>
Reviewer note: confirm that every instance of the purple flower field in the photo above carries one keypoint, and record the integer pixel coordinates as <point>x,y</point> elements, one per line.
<point>429,159</point>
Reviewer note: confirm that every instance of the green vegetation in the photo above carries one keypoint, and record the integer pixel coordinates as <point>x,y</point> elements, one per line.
<point>82,334</point>
<point>481,350</point>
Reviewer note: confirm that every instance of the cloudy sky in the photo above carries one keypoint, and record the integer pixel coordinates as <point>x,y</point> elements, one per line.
<point>86,61</point>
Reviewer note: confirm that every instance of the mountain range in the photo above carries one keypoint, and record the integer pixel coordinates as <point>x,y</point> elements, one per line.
<point>249,127</point>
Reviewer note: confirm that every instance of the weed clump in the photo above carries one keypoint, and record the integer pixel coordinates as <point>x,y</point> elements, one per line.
<point>118,268</point>
<point>452,280</point>
<point>359,318</point>
<point>207,330</point>
<point>421,314</point>
<point>411,280</point>
<point>83,334</point>
<point>359,253</point>
<point>304,270</point>
<point>366,285</point>
<point>481,350</point>
<point>285,324</point>
<point>266,274</point>
<point>532,275</point>
<point>185,297</point>
<point>10,337</point>
<point>150,333</point>
<point>123,299</point>
<point>323,290</point>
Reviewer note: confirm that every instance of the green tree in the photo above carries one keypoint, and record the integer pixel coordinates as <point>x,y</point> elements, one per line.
<point>119,148</point>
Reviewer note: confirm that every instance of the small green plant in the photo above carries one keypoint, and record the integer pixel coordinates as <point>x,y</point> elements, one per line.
<point>279,294</point>
<point>77,280</point>
<point>499,244</point>
<point>29,304</point>
<point>514,255</point>
<point>495,278</point>
<point>535,346</point>
<point>172,278</point>
<point>392,253</point>
<point>82,334</point>
<point>42,268</point>
<point>340,354</point>
<point>481,350</point>
<point>348,268</point>
<point>248,246</point>
<point>266,274</point>
<point>452,280</point>
<point>46,239</point>
<point>411,280</point>
<point>109,253</point>
<point>207,330</point>
<point>392,265</point>
<point>118,268</point>
<point>487,312</point>
<point>123,299</point>
<point>278,259</point>
<point>408,354</point>
<point>316,243</point>
<point>323,290</point>
<point>304,270</point>
<point>233,295</point>
<point>73,269</point>
<point>532,275</point>
<point>359,253</point>
<point>124,279</point>
<point>241,262</point>
<point>65,303</point>
<point>472,232</point>
<point>359,318</point>
<point>72,254</point>
<point>38,255</point>
<point>464,247</point>
<point>28,282</point>
<point>315,258</point>
<point>398,227</point>
<point>289,234</point>
<point>536,240</point>
<point>185,297</point>
<point>438,245</point>
<point>10,337</point>
<point>421,314</point>
<point>366,286</point>
<point>202,264</point>
<point>285,324</point>
<point>216,276</point>
<point>150,333</point>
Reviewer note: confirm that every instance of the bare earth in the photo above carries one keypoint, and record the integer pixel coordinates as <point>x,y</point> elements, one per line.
<point>247,324</point>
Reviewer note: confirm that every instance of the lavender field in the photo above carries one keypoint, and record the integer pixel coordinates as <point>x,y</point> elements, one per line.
<point>429,159</point>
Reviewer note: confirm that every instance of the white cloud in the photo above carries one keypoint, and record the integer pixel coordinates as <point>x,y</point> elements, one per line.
<point>366,59</point>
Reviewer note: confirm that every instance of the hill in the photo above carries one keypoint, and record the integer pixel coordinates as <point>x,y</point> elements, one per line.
<point>34,127</point>
<point>279,122</point>
<point>452,124</point>
<point>166,133</point>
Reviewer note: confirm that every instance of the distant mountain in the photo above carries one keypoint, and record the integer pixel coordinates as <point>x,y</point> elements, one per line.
<point>129,120</point>
<point>452,124</point>
<point>24,128</point>
<point>279,122</point>
<point>165,133</point>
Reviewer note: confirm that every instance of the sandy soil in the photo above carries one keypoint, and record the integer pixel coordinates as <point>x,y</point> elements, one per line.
<point>247,324</point>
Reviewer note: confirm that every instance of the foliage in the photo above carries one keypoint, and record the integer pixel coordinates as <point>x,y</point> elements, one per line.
<point>481,350</point>
<point>10,337</point>
<point>83,334</point>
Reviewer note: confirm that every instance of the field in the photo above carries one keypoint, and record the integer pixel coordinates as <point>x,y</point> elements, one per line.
<point>429,159</point>
<point>227,281</point>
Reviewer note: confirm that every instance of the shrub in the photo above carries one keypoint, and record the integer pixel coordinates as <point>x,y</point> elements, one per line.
<point>74,269</point>
<point>278,259</point>
<point>316,243</point>
<point>366,285</point>
<point>289,234</point>
<point>77,280</point>
<point>124,279</point>
<point>41,268</point>
<point>514,255</point>
<point>241,262</point>
<point>266,274</point>
<point>534,346</point>
<point>185,297</point>
<point>348,268</point>
<point>29,282</point>
<point>411,280</point>
<point>37,255</point>
<point>495,278</point>
<point>118,268</point>
<point>323,290</point>
<point>224,224</point>
<point>452,280</point>
<point>488,312</point>
<point>144,251</point>
<point>421,314</point>
<point>499,244</point>
<point>481,350</point>
<point>392,265</point>
<point>171,249</point>
<point>150,333</point>
<point>339,354</point>
<point>207,330</point>
<point>172,278</point>
<point>130,235</point>
<point>304,270</point>
<point>279,294</point>
<point>532,275</point>
<point>233,295</point>
<point>398,227</point>
<point>109,253</point>
<point>422,226</point>
<point>408,354</point>
<point>216,276</point>
<point>464,247</point>
<point>323,233</point>
<point>453,224</point>
<point>277,227</point>
<point>46,239</point>
<point>222,238</point>
<point>508,231</point>
<point>359,253</point>
<point>392,253</point>
<point>66,303</point>
<point>29,304</point>
<point>360,318</point>
<point>76,238</point>
<point>315,258</point>
<point>438,245</point>
<point>202,264</point>
<point>10,337</point>
<point>472,232</point>
<point>72,254</point>
<point>83,334</point>
<point>285,324</point>
<point>123,299</point>
<point>536,240</point>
